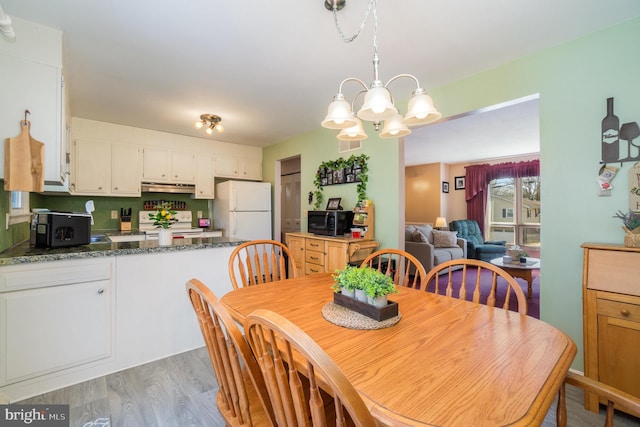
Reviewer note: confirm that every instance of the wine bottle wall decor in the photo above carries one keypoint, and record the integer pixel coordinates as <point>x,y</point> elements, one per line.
<point>618,141</point>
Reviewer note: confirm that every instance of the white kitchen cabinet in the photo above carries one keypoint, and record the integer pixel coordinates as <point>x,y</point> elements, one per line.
<point>164,165</point>
<point>28,84</point>
<point>205,186</point>
<point>102,168</point>
<point>91,172</point>
<point>239,168</point>
<point>55,316</point>
<point>125,170</point>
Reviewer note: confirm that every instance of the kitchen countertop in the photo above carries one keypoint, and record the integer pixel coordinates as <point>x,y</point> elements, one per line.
<point>22,253</point>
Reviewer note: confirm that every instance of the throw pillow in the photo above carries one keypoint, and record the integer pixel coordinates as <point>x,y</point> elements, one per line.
<point>419,237</point>
<point>426,231</point>
<point>444,239</point>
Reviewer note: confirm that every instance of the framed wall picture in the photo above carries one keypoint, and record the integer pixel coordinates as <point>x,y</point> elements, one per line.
<point>460,182</point>
<point>333,204</point>
<point>445,187</point>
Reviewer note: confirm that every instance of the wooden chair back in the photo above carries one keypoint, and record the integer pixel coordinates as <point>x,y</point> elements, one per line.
<point>615,398</point>
<point>441,277</point>
<point>242,397</point>
<point>298,373</point>
<point>260,261</point>
<point>401,266</point>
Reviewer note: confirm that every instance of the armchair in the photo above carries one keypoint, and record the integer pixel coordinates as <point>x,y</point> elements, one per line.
<point>477,247</point>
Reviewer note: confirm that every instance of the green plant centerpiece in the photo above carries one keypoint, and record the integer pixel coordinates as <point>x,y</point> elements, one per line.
<point>375,285</point>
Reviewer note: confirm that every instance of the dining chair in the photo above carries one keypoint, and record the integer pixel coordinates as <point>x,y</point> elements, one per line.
<point>260,261</point>
<point>440,279</point>
<point>242,397</point>
<point>298,372</point>
<point>401,266</point>
<point>614,397</point>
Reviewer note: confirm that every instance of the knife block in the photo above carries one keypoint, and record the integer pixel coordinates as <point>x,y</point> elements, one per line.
<point>125,223</point>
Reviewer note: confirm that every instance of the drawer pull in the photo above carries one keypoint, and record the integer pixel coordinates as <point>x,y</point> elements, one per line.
<point>100,291</point>
<point>624,312</point>
<point>313,257</point>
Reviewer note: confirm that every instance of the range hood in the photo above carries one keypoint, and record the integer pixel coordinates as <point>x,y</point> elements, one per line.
<point>152,187</point>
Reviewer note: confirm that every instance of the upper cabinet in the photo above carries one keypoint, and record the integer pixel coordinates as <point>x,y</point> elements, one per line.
<point>31,79</point>
<point>239,162</point>
<point>103,168</point>
<point>164,165</point>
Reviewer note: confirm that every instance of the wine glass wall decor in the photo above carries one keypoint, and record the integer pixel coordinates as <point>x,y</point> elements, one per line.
<point>618,141</point>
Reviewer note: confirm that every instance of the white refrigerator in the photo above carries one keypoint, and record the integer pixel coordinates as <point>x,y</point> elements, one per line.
<point>243,209</point>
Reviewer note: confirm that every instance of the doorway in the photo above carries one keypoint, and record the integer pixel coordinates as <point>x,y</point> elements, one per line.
<point>289,196</point>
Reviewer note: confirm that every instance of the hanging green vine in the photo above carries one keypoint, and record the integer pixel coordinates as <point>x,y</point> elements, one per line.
<point>352,170</point>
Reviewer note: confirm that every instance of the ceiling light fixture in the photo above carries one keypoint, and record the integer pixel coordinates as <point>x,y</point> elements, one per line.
<point>211,121</point>
<point>378,105</point>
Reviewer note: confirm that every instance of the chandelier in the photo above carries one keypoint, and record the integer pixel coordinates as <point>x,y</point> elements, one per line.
<point>378,106</point>
<point>211,121</point>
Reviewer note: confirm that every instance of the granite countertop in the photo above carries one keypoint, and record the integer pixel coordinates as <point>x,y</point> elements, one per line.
<point>23,253</point>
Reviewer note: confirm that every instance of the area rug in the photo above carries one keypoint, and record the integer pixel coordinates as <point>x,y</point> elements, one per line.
<point>533,304</point>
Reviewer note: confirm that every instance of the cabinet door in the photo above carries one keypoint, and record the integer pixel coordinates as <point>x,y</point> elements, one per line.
<point>251,169</point>
<point>183,167</point>
<point>618,344</point>
<point>296,246</point>
<point>125,170</point>
<point>205,186</point>
<point>50,329</point>
<point>92,161</point>
<point>337,256</point>
<point>155,165</point>
<point>227,167</point>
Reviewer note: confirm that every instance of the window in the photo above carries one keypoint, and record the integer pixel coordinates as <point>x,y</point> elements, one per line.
<point>19,207</point>
<point>513,210</point>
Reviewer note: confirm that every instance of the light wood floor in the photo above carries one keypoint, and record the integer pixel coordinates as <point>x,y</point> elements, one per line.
<point>179,391</point>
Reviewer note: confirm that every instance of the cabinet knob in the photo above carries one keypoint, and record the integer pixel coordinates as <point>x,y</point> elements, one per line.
<point>99,188</point>
<point>624,312</point>
<point>100,291</point>
<point>116,188</point>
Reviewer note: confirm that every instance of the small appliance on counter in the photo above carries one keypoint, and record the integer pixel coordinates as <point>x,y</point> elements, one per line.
<point>330,222</point>
<point>53,229</point>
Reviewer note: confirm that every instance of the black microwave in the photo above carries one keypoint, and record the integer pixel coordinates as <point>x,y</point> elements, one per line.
<point>59,229</point>
<point>329,223</point>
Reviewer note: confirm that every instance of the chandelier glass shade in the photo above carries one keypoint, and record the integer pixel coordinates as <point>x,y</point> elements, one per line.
<point>378,105</point>
<point>211,121</point>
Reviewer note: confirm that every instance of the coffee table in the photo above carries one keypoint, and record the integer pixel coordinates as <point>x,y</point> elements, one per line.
<point>517,269</point>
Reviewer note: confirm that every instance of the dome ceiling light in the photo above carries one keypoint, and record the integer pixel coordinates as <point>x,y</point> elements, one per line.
<point>211,122</point>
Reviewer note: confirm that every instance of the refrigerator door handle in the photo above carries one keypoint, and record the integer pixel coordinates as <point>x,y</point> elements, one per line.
<point>233,223</point>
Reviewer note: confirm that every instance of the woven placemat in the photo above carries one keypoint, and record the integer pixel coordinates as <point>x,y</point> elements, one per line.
<point>342,316</point>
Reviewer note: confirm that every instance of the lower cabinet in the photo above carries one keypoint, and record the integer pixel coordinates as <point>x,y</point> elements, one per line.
<point>611,299</point>
<point>318,254</point>
<point>54,316</point>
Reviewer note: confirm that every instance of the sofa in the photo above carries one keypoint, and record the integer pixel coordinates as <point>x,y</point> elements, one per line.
<point>477,247</point>
<point>432,247</point>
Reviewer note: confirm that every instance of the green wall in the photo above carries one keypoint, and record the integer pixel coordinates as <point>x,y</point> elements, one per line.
<point>573,81</point>
<point>382,187</point>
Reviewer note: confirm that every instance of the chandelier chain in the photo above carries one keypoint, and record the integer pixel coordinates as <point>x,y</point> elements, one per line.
<point>349,39</point>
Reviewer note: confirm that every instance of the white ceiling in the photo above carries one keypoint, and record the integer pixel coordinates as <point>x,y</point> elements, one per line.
<point>270,68</point>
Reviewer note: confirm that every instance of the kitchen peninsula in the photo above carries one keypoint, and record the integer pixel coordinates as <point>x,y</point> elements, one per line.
<point>72,314</point>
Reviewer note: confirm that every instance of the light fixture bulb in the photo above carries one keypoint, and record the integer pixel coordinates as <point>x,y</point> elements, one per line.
<point>377,104</point>
<point>421,110</point>
<point>209,131</point>
<point>394,128</point>
<point>199,125</point>
<point>219,128</point>
<point>353,133</point>
<point>339,114</point>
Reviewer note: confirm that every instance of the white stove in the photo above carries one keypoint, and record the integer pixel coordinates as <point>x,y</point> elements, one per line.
<point>181,228</point>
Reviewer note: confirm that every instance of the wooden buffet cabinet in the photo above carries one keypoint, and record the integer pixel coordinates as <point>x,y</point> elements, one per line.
<point>319,254</point>
<point>611,316</point>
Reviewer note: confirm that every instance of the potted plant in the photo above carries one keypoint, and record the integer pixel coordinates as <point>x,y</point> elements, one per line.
<point>631,227</point>
<point>347,281</point>
<point>162,218</point>
<point>366,284</point>
<point>377,286</point>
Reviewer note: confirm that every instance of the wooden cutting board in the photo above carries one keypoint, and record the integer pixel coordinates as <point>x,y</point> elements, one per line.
<point>23,156</point>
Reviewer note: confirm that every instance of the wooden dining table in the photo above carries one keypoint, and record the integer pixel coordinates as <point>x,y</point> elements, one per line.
<point>447,362</point>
